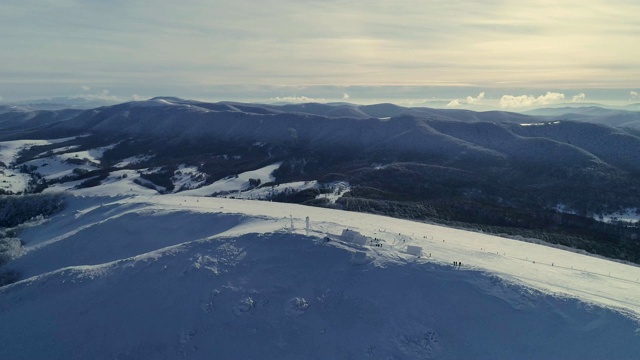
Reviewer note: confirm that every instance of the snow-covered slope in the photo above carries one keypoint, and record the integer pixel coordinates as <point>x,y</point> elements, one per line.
<point>236,183</point>
<point>171,277</point>
<point>12,180</point>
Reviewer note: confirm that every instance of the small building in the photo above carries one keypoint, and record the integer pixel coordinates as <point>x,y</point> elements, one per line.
<point>354,237</point>
<point>414,250</point>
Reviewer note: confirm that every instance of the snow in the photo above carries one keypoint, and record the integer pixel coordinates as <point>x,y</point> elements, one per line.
<point>9,149</point>
<point>530,264</point>
<point>12,180</point>
<point>239,188</point>
<point>92,155</point>
<point>120,182</point>
<point>124,272</point>
<point>154,102</point>
<point>267,192</point>
<point>56,167</point>
<point>339,189</point>
<point>61,187</point>
<point>628,215</point>
<point>133,160</point>
<point>59,150</point>
<point>188,177</point>
<point>171,276</point>
<point>236,183</point>
<point>541,123</point>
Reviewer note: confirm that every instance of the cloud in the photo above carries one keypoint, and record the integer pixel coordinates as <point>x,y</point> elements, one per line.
<point>470,100</point>
<point>345,96</point>
<point>454,103</point>
<point>579,97</point>
<point>296,99</point>
<point>510,101</point>
<point>344,44</point>
<point>102,95</point>
<point>634,95</point>
<point>475,100</point>
<point>85,88</point>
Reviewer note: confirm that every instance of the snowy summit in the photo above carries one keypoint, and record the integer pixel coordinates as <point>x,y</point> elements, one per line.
<point>170,277</point>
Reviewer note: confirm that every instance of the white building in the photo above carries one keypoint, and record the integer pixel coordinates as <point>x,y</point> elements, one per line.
<point>414,250</point>
<point>354,237</point>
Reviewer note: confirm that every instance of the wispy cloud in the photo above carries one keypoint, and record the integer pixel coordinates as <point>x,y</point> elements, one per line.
<point>102,95</point>
<point>454,103</point>
<point>510,101</point>
<point>580,97</point>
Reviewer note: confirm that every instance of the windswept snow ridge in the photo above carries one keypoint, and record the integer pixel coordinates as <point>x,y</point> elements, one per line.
<point>171,277</point>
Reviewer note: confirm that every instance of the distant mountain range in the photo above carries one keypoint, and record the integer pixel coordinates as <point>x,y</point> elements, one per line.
<point>627,117</point>
<point>60,102</point>
<point>495,170</point>
<point>383,129</point>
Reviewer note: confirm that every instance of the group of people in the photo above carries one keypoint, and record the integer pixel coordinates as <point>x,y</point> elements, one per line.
<point>457,263</point>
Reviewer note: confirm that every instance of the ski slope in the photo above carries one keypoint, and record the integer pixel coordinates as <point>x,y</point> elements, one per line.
<point>169,277</point>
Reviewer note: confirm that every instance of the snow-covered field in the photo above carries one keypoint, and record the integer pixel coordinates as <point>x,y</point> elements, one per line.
<point>235,183</point>
<point>187,178</point>
<point>169,276</point>
<point>133,160</point>
<point>61,166</point>
<point>12,180</point>
<point>52,167</point>
<point>9,149</point>
<point>56,167</point>
<point>92,156</point>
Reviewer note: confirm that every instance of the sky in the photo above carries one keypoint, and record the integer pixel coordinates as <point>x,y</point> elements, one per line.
<point>487,53</point>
